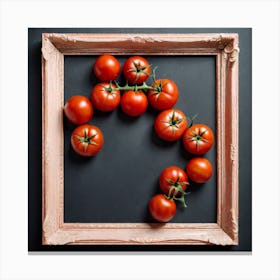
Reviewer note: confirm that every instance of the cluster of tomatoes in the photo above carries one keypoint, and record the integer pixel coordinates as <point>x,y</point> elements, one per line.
<point>170,124</point>
<point>173,181</point>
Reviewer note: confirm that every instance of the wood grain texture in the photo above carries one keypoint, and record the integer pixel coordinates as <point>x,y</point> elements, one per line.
<point>149,44</point>
<point>154,234</point>
<point>227,138</point>
<point>225,48</point>
<point>52,149</point>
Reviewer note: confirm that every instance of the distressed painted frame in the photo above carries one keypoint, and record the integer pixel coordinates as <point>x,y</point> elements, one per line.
<point>225,48</point>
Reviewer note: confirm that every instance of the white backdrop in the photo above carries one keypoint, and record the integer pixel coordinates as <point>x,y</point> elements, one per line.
<point>16,17</point>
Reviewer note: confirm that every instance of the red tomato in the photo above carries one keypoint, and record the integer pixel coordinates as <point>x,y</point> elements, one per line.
<point>199,169</point>
<point>198,139</point>
<point>161,208</point>
<point>134,103</point>
<point>78,109</point>
<point>170,124</point>
<point>136,70</point>
<point>106,68</point>
<point>173,179</point>
<point>164,95</point>
<point>105,97</point>
<point>87,140</point>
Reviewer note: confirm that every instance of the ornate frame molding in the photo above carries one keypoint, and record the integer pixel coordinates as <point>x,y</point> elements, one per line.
<point>225,48</point>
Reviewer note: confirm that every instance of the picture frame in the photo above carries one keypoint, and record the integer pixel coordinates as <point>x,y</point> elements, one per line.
<point>224,46</point>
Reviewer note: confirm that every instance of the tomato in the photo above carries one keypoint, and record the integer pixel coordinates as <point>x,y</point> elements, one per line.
<point>78,109</point>
<point>170,124</point>
<point>173,179</point>
<point>199,169</point>
<point>87,140</point>
<point>198,139</point>
<point>134,103</point>
<point>164,94</point>
<point>105,97</point>
<point>106,68</point>
<point>161,208</point>
<point>136,70</point>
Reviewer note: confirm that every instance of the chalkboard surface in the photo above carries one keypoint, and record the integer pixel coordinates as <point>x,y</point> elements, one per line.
<point>115,186</point>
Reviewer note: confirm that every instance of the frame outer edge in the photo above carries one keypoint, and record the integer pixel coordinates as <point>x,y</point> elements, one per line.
<point>52,129</point>
<point>52,214</point>
<point>229,219</point>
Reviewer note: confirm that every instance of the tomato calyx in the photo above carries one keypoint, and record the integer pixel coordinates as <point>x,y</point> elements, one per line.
<point>174,196</point>
<point>157,88</point>
<point>175,189</point>
<point>86,139</point>
<point>110,89</point>
<point>198,136</point>
<point>177,184</point>
<point>138,69</point>
<point>173,122</point>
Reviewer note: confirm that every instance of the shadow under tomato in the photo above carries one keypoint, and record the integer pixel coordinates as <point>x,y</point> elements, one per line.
<point>124,118</point>
<point>183,153</point>
<point>101,115</point>
<point>153,112</point>
<point>74,157</point>
<point>92,78</point>
<point>193,188</point>
<point>154,189</point>
<point>155,225</point>
<point>148,218</point>
<point>68,126</point>
<point>159,142</point>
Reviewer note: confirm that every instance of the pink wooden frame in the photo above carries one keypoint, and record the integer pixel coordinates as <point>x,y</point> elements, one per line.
<point>225,48</point>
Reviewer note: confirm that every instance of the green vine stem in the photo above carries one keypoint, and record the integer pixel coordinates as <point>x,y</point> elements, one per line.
<point>182,200</point>
<point>154,74</point>
<point>191,120</point>
<point>177,188</point>
<point>144,86</point>
<point>126,87</point>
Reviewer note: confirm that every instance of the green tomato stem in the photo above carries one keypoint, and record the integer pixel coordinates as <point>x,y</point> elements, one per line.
<point>182,200</point>
<point>144,86</point>
<point>177,188</point>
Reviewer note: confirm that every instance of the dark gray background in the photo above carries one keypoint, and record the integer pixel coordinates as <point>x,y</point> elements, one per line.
<point>116,185</point>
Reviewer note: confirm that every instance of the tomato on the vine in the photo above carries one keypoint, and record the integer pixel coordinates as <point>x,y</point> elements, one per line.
<point>164,94</point>
<point>199,169</point>
<point>87,140</point>
<point>106,68</point>
<point>105,97</point>
<point>78,109</point>
<point>170,124</point>
<point>161,208</point>
<point>198,139</point>
<point>173,181</point>
<point>134,103</point>
<point>136,70</point>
